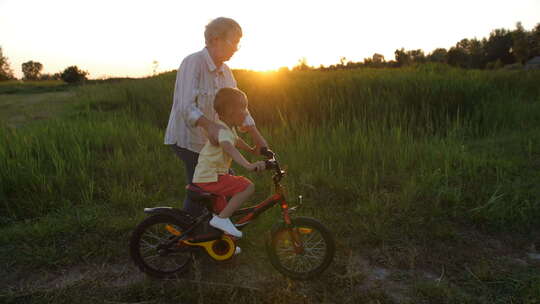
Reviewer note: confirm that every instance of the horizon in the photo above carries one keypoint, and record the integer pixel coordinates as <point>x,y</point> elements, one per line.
<point>123,39</point>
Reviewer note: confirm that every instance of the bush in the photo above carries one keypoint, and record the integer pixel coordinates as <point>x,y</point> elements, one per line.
<point>55,76</point>
<point>72,74</point>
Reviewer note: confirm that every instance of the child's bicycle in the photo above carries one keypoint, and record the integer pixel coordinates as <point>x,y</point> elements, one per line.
<point>163,244</point>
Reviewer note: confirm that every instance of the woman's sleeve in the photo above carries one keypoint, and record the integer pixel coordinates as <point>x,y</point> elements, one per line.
<point>248,121</point>
<point>186,92</point>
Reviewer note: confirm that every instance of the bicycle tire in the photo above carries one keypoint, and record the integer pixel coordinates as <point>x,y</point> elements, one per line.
<point>138,244</point>
<point>280,250</point>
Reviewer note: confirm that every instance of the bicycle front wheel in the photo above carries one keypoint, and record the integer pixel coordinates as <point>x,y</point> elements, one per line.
<point>311,258</point>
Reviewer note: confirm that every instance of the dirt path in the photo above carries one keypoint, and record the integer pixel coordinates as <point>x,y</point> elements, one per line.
<point>351,274</point>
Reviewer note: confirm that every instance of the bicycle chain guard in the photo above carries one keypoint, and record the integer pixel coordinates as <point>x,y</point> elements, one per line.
<point>219,250</point>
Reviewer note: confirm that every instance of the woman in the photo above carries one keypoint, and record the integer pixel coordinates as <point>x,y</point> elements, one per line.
<point>193,120</point>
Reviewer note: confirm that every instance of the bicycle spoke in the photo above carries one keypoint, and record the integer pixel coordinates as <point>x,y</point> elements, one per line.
<point>314,251</point>
<point>154,236</point>
<point>166,261</point>
<point>148,245</point>
<point>150,257</point>
<point>321,240</point>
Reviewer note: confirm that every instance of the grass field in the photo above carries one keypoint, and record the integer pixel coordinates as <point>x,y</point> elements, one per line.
<point>428,176</point>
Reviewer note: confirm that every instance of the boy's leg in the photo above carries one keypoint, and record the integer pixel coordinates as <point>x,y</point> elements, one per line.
<point>240,188</point>
<point>190,160</point>
<point>236,201</point>
<point>222,221</point>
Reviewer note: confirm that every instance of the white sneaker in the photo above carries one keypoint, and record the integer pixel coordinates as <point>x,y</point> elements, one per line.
<point>238,250</point>
<point>226,225</point>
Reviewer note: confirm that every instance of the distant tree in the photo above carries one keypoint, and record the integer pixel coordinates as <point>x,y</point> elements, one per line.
<point>55,76</point>
<point>353,65</point>
<point>368,62</point>
<point>467,53</point>
<point>438,55</point>
<point>6,73</point>
<point>301,65</point>
<point>417,56</point>
<point>402,58</point>
<point>457,56</point>
<point>32,70</point>
<point>342,63</point>
<point>522,43</point>
<point>498,46</point>
<point>72,74</point>
<point>477,55</point>
<point>535,41</point>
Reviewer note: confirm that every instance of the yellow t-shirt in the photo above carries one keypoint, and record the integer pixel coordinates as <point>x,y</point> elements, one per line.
<point>212,159</point>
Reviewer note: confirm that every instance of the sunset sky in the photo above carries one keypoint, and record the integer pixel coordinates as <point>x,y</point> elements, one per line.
<point>123,38</point>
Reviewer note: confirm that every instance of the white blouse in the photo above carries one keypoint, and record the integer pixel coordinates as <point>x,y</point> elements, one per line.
<point>197,83</point>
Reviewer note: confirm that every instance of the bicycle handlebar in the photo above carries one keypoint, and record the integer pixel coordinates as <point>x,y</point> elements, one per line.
<point>271,163</point>
<point>267,152</point>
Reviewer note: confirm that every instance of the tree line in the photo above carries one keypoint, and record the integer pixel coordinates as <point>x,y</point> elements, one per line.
<point>502,48</point>
<point>32,70</point>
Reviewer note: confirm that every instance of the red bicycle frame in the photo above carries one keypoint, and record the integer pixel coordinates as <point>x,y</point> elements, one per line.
<point>252,213</point>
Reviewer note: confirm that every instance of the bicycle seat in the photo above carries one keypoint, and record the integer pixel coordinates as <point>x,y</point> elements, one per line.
<point>197,194</point>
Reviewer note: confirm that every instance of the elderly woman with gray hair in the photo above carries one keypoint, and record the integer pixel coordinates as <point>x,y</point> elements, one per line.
<point>193,120</point>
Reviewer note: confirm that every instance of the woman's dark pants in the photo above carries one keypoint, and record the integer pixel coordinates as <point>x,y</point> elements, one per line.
<point>190,159</point>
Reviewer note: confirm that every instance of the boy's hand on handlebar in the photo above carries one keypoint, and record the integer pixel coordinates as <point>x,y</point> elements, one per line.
<point>257,166</point>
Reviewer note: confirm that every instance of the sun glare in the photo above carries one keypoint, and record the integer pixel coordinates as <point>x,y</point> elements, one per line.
<point>105,39</point>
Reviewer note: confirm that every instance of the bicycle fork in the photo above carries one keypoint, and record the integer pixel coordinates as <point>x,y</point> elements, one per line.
<point>293,233</point>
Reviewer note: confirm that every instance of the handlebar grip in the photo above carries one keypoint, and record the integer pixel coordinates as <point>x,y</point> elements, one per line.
<point>269,164</point>
<point>266,152</point>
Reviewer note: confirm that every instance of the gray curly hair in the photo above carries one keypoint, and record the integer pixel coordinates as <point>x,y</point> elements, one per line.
<point>219,27</point>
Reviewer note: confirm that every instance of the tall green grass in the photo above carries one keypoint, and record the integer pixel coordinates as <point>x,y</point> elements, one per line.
<point>413,147</point>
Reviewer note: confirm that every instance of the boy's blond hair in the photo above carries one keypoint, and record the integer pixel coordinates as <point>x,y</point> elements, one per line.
<point>227,98</point>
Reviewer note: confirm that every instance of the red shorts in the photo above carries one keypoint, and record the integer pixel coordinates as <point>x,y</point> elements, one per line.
<point>226,186</point>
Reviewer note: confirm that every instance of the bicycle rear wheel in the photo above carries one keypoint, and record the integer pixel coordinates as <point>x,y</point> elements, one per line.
<point>317,243</point>
<point>147,248</point>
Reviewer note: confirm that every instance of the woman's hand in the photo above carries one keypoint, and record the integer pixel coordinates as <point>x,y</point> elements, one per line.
<point>213,132</point>
<point>211,128</point>
<point>254,150</point>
